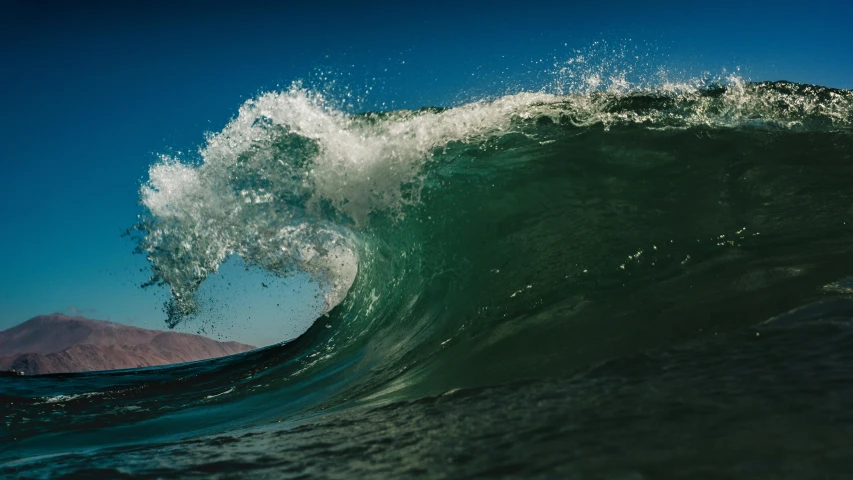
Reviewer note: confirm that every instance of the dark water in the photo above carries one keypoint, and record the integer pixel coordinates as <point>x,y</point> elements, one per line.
<point>634,285</point>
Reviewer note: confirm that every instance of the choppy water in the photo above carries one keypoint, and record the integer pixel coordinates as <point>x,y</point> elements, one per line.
<point>647,283</point>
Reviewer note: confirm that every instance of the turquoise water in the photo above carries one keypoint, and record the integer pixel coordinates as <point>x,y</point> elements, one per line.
<point>625,284</point>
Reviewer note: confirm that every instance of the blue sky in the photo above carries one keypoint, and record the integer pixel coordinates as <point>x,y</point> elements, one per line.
<point>92,91</point>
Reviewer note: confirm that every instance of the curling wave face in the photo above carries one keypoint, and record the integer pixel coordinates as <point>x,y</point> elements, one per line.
<point>520,239</point>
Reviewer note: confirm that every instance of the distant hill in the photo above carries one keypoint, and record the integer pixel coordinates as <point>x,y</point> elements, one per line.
<point>59,343</point>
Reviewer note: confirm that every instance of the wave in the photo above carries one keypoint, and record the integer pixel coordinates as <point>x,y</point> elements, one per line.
<point>517,239</point>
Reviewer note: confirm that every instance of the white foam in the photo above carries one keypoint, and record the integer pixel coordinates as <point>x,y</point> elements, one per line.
<point>67,398</point>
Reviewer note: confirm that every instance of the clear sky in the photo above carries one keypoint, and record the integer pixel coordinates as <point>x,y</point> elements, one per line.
<point>91,92</point>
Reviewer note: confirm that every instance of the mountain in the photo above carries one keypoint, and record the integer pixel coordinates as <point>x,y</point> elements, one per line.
<point>59,343</point>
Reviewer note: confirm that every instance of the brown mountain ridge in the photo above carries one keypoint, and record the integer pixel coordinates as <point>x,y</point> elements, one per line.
<point>59,343</point>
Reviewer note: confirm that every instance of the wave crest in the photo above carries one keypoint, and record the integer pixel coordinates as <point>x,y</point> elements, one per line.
<point>290,179</point>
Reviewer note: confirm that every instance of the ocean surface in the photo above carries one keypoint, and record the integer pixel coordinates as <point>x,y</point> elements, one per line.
<point>614,284</point>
